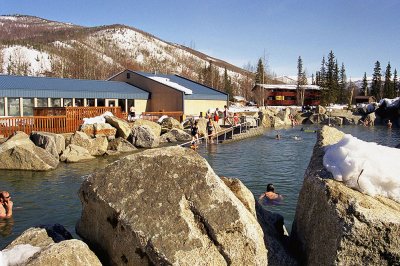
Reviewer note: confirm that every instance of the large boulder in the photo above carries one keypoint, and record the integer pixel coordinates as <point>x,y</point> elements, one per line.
<point>175,135</point>
<point>241,192</point>
<point>276,237</point>
<point>170,123</point>
<point>156,128</point>
<point>336,225</point>
<point>96,146</point>
<point>122,126</point>
<point>99,130</point>
<point>53,143</point>
<point>19,152</point>
<point>167,206</point>
<point>144,137</point>
<point>48,245</point>
<point>36,247</point>
<point>121,145</point>
<point>74,153</point>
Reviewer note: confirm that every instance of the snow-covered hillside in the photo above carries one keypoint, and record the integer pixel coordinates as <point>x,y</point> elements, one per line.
<point>38,47</point>
<point>25,60</point>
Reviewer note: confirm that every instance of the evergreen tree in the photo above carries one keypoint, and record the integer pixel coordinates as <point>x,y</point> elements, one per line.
<point>301,81</point>
<point>228,85</point>
<point>322,74</point>
<point>342,84</point>
<point>395,83</point>
<point>332,82</point>
<point>376,81</point>
<point>364,88</point>
<point>260,73</point>
<point>388,91</point>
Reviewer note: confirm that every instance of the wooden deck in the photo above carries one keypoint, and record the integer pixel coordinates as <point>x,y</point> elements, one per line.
<point>53,119</point>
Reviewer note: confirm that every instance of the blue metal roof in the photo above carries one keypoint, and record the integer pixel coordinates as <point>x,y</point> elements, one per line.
<point>41,87</point>
<point>200,92</point>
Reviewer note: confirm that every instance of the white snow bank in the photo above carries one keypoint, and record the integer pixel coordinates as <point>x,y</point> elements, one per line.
<point>365,166</point>
<point>18,255</point>
<point>390,102</point>
<point>174,85</point>
<point>97,119</point>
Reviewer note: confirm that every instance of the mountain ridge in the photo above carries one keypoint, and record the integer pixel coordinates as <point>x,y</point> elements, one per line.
<point>35,46</point>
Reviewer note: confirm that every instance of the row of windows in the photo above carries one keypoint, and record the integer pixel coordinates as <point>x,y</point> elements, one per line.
<point>13,107</point>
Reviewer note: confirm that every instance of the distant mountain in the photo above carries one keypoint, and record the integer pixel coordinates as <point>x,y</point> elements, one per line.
<point>39,47</point>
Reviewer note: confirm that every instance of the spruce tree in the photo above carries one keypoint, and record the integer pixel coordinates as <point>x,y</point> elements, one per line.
<point>395,83</point>
<point>332,77</point>
<point>342,84</point>
<point>260,73</point>
<point>388,91</point>
<point>228,85</point>
<point>376,81</point>
<point>301,81</point>
<point>364,88</point>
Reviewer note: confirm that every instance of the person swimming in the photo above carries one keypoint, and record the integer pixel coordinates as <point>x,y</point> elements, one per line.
<point>270,197</point>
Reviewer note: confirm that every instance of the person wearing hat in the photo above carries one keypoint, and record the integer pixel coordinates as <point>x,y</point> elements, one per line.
<point>270,195</point>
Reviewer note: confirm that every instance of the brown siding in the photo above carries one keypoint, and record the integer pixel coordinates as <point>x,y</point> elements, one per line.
<point>163,98</point>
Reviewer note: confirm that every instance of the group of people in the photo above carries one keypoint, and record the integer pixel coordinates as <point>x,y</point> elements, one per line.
<point>6,206</point>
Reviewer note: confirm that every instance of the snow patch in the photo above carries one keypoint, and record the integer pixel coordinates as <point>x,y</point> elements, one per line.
<point>23,60</point>
<point>97,119</point>
<point>174,85</point>
<point>9,18</point>
<point>365,166</point>
<point>17,255</point>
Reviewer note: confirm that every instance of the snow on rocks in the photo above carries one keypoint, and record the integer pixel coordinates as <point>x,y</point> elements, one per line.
<point>365,166</point>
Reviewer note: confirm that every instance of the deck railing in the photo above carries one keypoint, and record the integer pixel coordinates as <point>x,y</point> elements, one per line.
<point>54,124</point>
<point>69,122</point>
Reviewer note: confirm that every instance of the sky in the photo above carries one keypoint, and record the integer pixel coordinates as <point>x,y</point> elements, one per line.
<point>359,32</point>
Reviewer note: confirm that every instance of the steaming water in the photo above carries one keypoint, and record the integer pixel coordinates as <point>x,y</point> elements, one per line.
<point>51,197</point>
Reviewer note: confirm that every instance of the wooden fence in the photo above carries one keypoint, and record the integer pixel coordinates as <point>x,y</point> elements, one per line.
<point>65,123</point>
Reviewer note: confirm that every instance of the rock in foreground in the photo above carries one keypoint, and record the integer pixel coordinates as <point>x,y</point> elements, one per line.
<point>336,225</point>
<point>167,206</point>
<point>46,246</point>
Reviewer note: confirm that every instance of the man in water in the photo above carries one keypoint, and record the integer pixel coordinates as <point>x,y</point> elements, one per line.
<point>6,205</point>
<point>270,196</point>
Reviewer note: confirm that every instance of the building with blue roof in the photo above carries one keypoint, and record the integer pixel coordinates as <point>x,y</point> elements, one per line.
<point>147,92</point>
<point>174,92</point>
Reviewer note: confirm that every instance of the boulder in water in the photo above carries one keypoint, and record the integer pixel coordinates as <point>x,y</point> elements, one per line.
<point>144,137</point>
<point>336,225</point>
<point>19,152</point>
<point>53,143</point>
<point>167,206</point>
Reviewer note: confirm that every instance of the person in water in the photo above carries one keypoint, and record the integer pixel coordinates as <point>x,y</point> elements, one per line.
<point>389,124</point>
<point>6,206</point>
<point>270,195</point>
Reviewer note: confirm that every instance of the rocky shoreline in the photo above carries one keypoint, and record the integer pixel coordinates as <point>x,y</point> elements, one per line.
<point>167,206</point>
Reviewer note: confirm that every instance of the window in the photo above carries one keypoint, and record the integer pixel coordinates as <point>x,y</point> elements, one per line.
<point>79,102</point>
<point>128,75</point>
<point>67,102</point>
<point>41,102</point>
<point>28,106</point>
<point>13,107</point>
<point>2,109</point>
<point>90,102</point>
<point>121,103</point>
<point>101,102</point>
<point>55,102</point>
<point>131,102</point>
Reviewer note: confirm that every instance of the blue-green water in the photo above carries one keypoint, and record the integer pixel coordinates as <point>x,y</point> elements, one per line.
<point>51,197</point>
